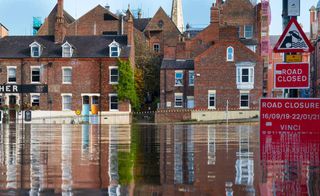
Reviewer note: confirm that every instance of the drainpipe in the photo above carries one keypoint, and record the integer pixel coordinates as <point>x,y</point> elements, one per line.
<point>21,93</point>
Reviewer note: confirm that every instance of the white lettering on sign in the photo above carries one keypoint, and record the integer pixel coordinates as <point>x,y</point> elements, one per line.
<point>290,127</point>
<point>271,105</point>
<point>292,78</point>
<point>291,71</point>
<point>15,88</point>
<point>8,88</point>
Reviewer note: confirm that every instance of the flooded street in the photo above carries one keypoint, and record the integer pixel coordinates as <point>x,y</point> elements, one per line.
<point>154,160</point>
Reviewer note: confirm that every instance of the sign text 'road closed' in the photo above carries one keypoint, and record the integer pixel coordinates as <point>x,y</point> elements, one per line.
<point>291,75</point>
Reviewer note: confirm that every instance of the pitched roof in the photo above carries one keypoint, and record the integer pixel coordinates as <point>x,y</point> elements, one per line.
<point>141,23</point>
<point>177,64</point>
<point>85,46</point>
<point>4,26</point>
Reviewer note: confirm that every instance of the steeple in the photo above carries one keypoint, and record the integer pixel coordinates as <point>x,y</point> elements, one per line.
<point>177,14</point>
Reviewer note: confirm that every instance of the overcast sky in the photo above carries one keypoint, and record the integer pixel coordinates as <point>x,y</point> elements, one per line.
<point>17,15</point>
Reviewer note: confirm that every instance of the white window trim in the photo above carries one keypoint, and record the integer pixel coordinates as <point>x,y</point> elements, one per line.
<point>244,31</point>
<point>245,85</point>
<point>35,67</point>
<point>113,67</point>
<point>175,103</point>
<point>175,78</point>
<point>34,94</point>
<point>10,67</point>
<point>70,48</point>
<point>62,96</point>
<point>232,59</point>
<point>110,95</point>
<point>90,94</point>
<point>35,44</point>
<point>215,99</point>
<point>244,92</point>
<point>114,44</point>
<point>189,77</point>
<point>63,68</point>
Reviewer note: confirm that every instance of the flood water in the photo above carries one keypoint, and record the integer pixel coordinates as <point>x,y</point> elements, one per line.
<point>156,160</point>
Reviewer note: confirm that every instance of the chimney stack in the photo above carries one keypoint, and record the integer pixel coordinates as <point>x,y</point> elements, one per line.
<point>60,29</point>
<point>214,14</point>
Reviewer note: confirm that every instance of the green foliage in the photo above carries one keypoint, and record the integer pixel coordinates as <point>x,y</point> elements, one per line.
<point>148,63</point>
<point>126,86</point>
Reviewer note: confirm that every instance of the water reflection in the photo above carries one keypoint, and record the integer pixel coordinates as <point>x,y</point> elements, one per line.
<point>156,160</point>
<point>290,163</point>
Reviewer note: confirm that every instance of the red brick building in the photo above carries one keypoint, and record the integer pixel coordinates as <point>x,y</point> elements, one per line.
<point>315,55</point>
<point>80,71</point>
<point>219,64</point>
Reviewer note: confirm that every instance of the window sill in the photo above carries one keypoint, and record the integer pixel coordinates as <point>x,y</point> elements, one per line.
<point>113,83</point>
<point>244,108</point>
<point>178,106</point>
<point>66,82</point>
<point>113,110</point>
<point>245,86</point>
<point>212,108</point>
<point>35,82</point>
<point>178,85</point>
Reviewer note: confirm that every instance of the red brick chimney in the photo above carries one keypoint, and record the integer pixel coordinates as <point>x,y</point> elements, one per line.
<point>130,34</point>
<point>214,14</point>
<point>60,29</point>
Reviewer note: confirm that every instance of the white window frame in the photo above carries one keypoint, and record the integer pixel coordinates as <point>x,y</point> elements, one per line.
<point>212,92</point>
<point>191,74</point>
<point>244,93</point>
<point>232,54</point>
<point>244,31</point>
<point>63,75</point>
<point>66,46</point>
<point>35,45</point>
<point>110,76</point>
<point>113,95</point>
<point>113,45</point>
<point>245,85</point>
<point>35,67</point>
<point>8,68</point>
<point>175,100</point>
<point>63,95</point>
<point>31,97</point>
<point>253,48</point>
<point>154,47</point>
<point>175,78</point>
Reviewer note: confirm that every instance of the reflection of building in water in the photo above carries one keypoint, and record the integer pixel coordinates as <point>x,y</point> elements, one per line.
<point>183,155</point>
<point>66,160</point>
<point>114,187</point>
<point>11,155</point>
<point>244,163</point>
<point>211,145</point>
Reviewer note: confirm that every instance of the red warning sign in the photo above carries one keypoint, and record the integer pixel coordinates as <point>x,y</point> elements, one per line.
<point>291,75</point>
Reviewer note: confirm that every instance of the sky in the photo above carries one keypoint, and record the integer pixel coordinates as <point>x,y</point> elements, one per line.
<point>17,15</point>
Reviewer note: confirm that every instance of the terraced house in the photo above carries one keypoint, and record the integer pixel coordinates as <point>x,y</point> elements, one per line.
<point>219,65</point>
<point>80,72</point>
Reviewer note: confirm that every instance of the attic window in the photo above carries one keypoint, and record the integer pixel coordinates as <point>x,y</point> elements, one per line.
<point>114,49</point>
<point>67,50</point>
<point>35,49</point>
<point>160,23</point>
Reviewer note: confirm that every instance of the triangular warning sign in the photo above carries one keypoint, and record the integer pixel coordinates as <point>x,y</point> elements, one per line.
<point>293,39</point>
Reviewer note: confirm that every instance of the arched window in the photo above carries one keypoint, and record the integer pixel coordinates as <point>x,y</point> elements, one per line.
<point>230,54</point>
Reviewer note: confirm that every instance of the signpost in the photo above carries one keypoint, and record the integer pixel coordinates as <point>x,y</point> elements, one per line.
<point>291,76</point>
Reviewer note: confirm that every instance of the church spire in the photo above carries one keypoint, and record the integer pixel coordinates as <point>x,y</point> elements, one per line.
<point>177,14</point>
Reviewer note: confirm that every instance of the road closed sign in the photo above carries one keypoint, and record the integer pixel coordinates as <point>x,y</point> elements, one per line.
<point>291,76</point>
<point>289,115</point>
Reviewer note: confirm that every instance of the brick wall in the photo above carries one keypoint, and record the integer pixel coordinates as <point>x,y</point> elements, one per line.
<point>85,80</point>
<point>171,116</point>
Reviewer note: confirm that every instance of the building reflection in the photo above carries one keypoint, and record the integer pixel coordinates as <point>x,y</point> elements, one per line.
<point>291,163</point>
<point>61,159</point>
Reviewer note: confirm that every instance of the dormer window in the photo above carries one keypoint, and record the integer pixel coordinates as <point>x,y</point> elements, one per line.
<point>114,49</point>
<point>67,50</point>
<point>35,49</point>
